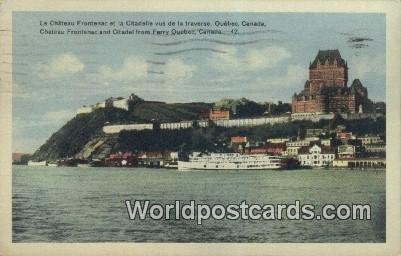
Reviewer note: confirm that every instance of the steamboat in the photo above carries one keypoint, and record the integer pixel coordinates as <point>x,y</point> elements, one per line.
<point>230,161</point>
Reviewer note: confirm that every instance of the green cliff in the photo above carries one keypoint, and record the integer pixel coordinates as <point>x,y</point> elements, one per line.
<point>70,139</point>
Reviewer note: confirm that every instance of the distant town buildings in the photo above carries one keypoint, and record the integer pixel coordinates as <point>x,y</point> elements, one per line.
<point>327,91</point>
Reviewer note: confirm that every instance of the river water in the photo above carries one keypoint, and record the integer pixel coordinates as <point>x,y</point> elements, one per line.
<point>56,204</point>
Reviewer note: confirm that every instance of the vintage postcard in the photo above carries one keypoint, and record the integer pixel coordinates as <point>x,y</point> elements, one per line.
<point>200,128</point>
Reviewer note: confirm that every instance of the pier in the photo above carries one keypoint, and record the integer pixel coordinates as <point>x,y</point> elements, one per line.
<point>361,163</point>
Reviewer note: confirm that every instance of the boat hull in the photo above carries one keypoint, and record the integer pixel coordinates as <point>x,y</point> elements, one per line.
<point>33,163</point>
<point>186,166</point>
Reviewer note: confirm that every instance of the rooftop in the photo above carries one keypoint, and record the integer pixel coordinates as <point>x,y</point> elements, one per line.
<point>331,56</point>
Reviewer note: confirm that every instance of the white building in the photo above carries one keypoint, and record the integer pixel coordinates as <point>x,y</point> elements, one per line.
<point>376,148</point>
<point>325,142</point>
<point>121,103</point>
<point>126,127</point>
<point>248,122</point>
<point>368,139</point>
<point>203,123</point>
<point>176,125</point>
<point>340,163</point>
<point>174,156</point>
<point>292,151</point>
<point>314,132</point>
<point>298,143</point>
<point>316,158</point>
<point>312,139</point>
<point>312,116</point>
<point>346,151</point>
<point>277,140</point>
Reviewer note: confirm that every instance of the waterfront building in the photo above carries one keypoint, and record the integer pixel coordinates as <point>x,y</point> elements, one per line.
<point>292,151</point>
<point>326,89</point>
<point>316,157</point>
<point>151,159</point>
<point>121,159</point>
<point>360,163</point>
<point>346,151</point>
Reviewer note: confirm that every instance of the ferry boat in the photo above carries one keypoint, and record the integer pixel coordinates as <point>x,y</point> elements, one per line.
<point>230,161</point>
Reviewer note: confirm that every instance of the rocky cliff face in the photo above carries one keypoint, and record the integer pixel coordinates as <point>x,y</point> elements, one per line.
<point>82,136</point>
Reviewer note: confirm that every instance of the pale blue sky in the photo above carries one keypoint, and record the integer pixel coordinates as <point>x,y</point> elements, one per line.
<point>55,75</point>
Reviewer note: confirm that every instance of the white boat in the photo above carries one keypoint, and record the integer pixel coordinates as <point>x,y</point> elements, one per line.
<point>230,161</point>
<point>171,165</point>
<point>33,163</point>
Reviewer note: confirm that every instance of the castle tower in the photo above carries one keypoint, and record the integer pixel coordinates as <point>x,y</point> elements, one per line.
<point>328,69</point>
<point>327,90</point>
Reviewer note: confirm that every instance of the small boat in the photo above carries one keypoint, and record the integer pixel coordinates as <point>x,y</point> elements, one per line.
<point>35,163</point>
<point>52,164</point>
<point>83,165</point>
<point>97,163</point>
<point>171,165</point>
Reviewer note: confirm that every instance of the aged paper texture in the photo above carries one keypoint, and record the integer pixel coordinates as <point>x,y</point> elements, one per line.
<point>200,128</point>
